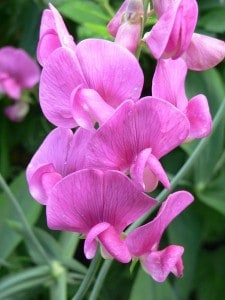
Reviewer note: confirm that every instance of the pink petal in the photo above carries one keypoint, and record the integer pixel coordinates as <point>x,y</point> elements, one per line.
<point>61,153</point>
<point>147,171</point>
<point>115,23</point>
<point>60,75</point>
<point>149,123</point>
<point>19,67</point>
<point>74,204</point>
<point>88,107</point>
<point>111,70</point>
<point>146,238</point>
<point>53,34</point>
<point>11,88</point>
<point>169,82</point>
<point>199,117</point>
<point>17,111</point>
<point>114,245</point>
<point>160,263</point>
<point>90,244</point>
<point>171,35</point>
<point>204,52</point>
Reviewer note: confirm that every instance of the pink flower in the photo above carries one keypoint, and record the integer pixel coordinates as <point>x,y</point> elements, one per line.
<point>53,34</point>
<point>60,154</point>
<point>136,137</point>
<point>100,205</point>
<point>169,84</point>
<point>143,242</point>
<point>17,111</point>
<point>18,71</point>
<point>86,85</point>
<point>173,36</point>
<point>126,25</point>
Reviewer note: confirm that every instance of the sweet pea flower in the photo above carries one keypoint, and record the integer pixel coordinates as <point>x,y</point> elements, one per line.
<point>126,25</point>
<point>136,137</point>
<point>169,84</point>
<point>99,205</point>
<point>143,242</point>
<point>18,71</point>
<point>60,154</point>
<point>53,34</point>
<point>85,86</point>
<point>173,36</point>
<point>17,111</point>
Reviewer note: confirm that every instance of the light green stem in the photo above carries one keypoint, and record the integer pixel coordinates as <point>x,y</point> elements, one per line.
<point>23,220</point>
<point>59,287</point>
<point>183,171</point>
<point>88,278</point>
<point>69,242</point>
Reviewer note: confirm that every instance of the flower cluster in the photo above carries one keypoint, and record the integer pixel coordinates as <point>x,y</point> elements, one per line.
<point>93,180</point>
<point>18,72</point>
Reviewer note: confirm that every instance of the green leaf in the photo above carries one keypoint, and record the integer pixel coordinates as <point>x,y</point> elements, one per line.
<point>214,20</point>
<point>214,194</point>
<point>210,275</point>
<point>186,230</point>
<point>83,12</point>
<point>88,30</point>
<point>145,288</point>
<point>9,238</point>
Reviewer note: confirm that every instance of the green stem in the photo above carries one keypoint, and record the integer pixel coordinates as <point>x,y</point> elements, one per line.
<point>88,278</point>
<point>183,171</point>
<point>23,219</point>
<point>69,242</point>
<point>59,288</point>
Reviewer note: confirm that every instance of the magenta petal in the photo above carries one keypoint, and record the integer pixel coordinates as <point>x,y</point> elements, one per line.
<point>146,238</point>
<point>114,245</point>
<point>90,245</point>
<point>75,205</point>
<point>111,70</point>
<point>169,82</point>
<point>204,52</point>
<point>40,187</point>
<point>53,34</point>
<point>115,23</point>
<point>17,111</point>
<point>88,107</point>
<point>11,88</point>
<point>60,75</point>
<point>160,263</point>
<point>156,168</point>
<point>199,117</point>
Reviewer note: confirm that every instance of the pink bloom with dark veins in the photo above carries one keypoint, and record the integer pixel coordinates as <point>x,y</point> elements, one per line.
<point>100,205</point>
<point>143,242</point>
<point>136,137</point>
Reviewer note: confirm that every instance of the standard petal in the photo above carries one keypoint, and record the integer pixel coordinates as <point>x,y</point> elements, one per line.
<point>88,107</point>
<point>146,238</point>
<point>149,123</point>
<point>204,52</point>
<point>111,70</point>
<point>199,116</point>
<point>74,204</point>
<point>160,263</point>
<point>169,82</point>
<point>60,75</point>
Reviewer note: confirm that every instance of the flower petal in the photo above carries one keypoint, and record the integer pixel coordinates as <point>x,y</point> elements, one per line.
<point>111,70</point>
<point>204,52</point>
<point>169,82</point>
<point>88,107</point>
<point>160,263</point>
<point>75,205</point>
<point>17,111</point>
<point>60,75</point>
<point>199,116</point>
<point>146,238</point>
<point>116,21</point>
